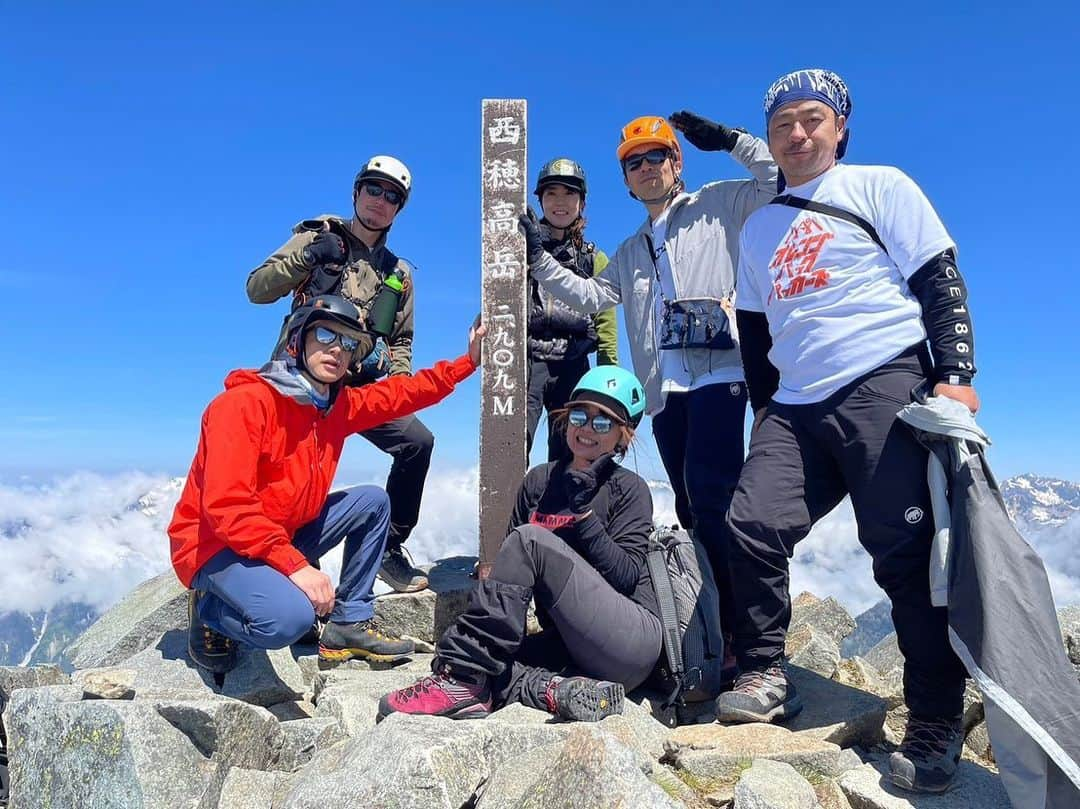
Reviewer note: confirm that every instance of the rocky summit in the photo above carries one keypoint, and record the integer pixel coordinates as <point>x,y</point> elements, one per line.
<point>137,726</point>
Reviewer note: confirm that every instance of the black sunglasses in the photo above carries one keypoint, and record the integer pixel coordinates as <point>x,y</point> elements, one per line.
<point>600,423</point>
<point>327,337</point>
<point>376,190</point>
<point>654,156</point>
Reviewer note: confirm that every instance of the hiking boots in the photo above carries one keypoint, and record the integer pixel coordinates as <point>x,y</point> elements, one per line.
<point>397,570</point>
<point>928,756</point>
<point>208,649</point>
<point>457,696</point>
<point>759,695</point>
<point>580,699</point>
<point>365,639</point>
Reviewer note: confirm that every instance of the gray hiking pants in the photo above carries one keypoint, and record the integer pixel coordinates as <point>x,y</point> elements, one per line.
<point>590,628</point>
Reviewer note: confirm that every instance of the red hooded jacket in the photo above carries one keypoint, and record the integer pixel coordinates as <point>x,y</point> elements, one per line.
<point>267,456</point>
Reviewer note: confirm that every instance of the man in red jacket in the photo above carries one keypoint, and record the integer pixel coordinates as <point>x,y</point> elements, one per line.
<point>257,511</point>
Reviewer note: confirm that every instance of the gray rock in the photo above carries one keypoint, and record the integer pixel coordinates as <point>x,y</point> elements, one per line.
<point>254,789</point>
<point>594,771</point>
<point>352,698</point>
<point>148,611</point>
<point>857,673</point>
<point>164,666</point>
<point>827,616</point>
<point>1069,618</point>
<point>228,732</point>
<point>774,785</point>
<point>291,711</point>
<point>848,760</point>
<point>836,713</point>
<point>813,649</point>
<point>107,683</point>
<point>12,677</point>
<point>100,754</point>
<point>866,788</point>
<point>886,656</point>
<point>870,627</point>
<point>303,738</point>
<point>509,783</point>
<point>425,615</point>
<point>431,762</point>
<point>977,742</point>
<point>830,796</point>
<point>265,677</point>
<point>711,753</point>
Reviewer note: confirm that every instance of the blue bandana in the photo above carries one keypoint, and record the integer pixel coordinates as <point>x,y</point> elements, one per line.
<point>811,84</point>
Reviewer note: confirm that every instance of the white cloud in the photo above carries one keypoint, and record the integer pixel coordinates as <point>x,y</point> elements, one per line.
<point>79,538</point>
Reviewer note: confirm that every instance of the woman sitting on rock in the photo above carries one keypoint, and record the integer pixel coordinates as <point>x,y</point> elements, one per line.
<point>577,547</point>
<point>256,513</point>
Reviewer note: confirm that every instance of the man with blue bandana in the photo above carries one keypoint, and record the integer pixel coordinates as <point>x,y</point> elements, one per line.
<point>849,298</point>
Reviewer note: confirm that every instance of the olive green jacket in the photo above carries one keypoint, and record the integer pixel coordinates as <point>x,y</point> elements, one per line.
<point>607,326</point>
<point>284,272</point>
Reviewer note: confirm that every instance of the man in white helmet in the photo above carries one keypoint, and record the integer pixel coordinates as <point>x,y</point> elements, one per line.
<point>329,255</point>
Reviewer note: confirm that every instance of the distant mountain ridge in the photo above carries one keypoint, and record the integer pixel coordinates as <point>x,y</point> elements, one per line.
<point>1041,501</point>
<point>41,636</point>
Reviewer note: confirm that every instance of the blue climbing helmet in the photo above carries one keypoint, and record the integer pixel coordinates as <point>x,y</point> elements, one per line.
<point>613,388</point>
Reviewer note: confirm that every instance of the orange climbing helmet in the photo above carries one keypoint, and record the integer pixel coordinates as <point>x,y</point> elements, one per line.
<point>648,130</point>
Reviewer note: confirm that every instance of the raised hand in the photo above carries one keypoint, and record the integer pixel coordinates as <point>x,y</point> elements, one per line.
<point>709,136</point>
<point>582,484</point>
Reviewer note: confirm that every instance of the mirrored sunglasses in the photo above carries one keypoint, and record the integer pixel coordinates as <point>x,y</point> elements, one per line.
<point>327,337</point>
<point>393,196</point>
<point>600,423</point>
<point>654,156</point>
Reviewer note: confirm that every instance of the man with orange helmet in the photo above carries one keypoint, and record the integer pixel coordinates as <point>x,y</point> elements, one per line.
<point>675,277</point>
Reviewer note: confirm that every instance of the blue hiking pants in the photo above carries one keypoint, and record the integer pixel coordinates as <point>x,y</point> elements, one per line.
<point>251,602</point>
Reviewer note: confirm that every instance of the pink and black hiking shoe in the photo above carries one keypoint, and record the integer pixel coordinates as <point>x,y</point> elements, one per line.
<point>440,694</point>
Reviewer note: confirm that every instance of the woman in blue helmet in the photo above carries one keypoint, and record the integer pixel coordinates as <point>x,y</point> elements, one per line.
<point>577,544</point>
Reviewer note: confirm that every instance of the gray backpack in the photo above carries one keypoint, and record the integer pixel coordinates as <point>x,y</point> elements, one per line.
<point>690,614</point>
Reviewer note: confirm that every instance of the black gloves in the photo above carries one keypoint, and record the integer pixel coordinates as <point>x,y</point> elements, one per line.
<point>326,248</point>
<point>582,484</point>
<point>534,239</point>
<point>709,136</point>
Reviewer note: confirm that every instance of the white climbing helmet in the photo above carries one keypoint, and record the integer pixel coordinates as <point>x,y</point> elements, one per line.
<point>387,168</point>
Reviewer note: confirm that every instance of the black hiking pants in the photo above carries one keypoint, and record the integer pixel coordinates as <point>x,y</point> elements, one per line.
<point>803,460</point>
<point>590,628</point>
<point>699,435</point>
<point>550,384</point>
<point>410,444</point>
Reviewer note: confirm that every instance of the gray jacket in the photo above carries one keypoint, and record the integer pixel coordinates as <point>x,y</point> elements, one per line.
<point>1002,622</point>
<point>703,248</point>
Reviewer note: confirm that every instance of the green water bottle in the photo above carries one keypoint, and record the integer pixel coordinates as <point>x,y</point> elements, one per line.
<point>385,305</point>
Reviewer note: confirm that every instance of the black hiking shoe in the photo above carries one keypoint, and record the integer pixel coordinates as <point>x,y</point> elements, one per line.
<point>759,695</point>
<point>928,756</point>
<point>581,699</point>
<point>365,639</point>
<point>208,649</point>
<point>398,571</point>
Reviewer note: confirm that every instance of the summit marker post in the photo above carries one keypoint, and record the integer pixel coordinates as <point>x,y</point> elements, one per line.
<point>504,275</point>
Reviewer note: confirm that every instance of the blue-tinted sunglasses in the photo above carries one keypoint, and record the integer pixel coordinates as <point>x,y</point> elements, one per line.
<point>600,423</point>
<point>327,337</point>
<point>654,156</point>
<point>375,190</point>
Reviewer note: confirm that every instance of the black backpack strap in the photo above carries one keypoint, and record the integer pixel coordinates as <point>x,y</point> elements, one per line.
<point>833,211</point>
<point>656,561</point>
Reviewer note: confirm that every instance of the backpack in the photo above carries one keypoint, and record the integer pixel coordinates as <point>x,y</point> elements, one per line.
<point>689,602</point>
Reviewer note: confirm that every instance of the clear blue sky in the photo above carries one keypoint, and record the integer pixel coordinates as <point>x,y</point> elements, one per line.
<point>152,157</point>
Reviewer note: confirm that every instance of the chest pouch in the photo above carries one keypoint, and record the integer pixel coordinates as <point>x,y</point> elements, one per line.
<point>695,323</point>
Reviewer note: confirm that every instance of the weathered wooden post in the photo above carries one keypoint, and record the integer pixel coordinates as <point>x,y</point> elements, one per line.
<point>503,301</point>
